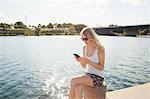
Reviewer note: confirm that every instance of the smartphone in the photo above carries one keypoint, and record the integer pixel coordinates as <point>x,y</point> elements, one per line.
<point>76,55</point>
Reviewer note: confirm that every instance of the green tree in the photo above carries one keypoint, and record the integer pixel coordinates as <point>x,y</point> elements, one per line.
<point>39,26</point>
<point>147,31</point>
<point>5,26</point>
<point>38,31</point>
<point>43,26</point>
<point>50,25</point>
<point>59,26</point>
<point>19,24</point>
<point>67,25</point>
<point>79,27</point>
<point>64,25</point>
<point>142,32</point>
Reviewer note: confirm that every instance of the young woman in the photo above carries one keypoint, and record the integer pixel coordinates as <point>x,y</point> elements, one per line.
<point>92,61</point>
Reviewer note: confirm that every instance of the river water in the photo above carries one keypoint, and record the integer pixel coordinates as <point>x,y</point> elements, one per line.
<point>41,67</point>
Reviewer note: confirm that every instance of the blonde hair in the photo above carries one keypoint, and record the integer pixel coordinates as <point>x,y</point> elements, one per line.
<point>90,33</point>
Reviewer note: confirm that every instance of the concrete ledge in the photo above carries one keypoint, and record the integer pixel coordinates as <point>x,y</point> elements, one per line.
<point>136,92</point>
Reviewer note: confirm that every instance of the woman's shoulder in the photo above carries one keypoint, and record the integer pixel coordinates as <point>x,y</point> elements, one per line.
<point>101,48</point>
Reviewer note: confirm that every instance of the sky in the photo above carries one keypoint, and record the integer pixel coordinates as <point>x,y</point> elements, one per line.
<point>89,12</point>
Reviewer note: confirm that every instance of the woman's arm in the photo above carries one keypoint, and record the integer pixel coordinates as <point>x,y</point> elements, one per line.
<point>101,56</point>
<point>83,63</point>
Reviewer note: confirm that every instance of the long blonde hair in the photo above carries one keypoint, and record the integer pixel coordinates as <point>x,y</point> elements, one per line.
<point>90,33</point>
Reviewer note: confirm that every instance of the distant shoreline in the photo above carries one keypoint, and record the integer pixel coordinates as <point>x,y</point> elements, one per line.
<point>19,28</point>
<point>129,31</point>
<point>55,32</point>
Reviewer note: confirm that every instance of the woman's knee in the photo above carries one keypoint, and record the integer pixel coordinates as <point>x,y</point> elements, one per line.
<point>79,89</point>
<point>74,81</point>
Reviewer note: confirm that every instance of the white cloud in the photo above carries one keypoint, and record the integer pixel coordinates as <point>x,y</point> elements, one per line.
<point>5,19</point>
<point>8,19</point>
<point>136,2</point>
<point>90,12</point>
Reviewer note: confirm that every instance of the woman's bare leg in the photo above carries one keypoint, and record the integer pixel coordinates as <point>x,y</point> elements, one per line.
<point>72,90</point>
<point>72,94</point>
<point>79,91</point>
<point>84,80</point>
<point>89,93</point>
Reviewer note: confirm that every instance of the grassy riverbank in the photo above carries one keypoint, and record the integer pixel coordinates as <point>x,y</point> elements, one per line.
<point>20,28</point>
<point>37,32</point>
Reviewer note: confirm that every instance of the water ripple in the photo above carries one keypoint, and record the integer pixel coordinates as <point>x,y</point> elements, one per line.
<point>41,68</point>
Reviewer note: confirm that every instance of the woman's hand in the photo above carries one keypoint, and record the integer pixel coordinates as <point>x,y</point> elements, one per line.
<point>83,60</point>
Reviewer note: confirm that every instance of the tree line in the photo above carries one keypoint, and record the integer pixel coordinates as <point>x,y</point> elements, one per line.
<point>49,29</point>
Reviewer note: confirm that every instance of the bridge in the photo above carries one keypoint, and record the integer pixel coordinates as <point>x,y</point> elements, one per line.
<point>132,30</point>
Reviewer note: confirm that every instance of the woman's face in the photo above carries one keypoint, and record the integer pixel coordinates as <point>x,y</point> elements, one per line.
<point>85,39</point>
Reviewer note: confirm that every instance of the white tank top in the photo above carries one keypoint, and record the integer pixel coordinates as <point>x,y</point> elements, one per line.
<point>91,69</point>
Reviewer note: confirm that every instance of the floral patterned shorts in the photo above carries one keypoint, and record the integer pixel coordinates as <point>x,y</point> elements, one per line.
<point>97,80</point>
